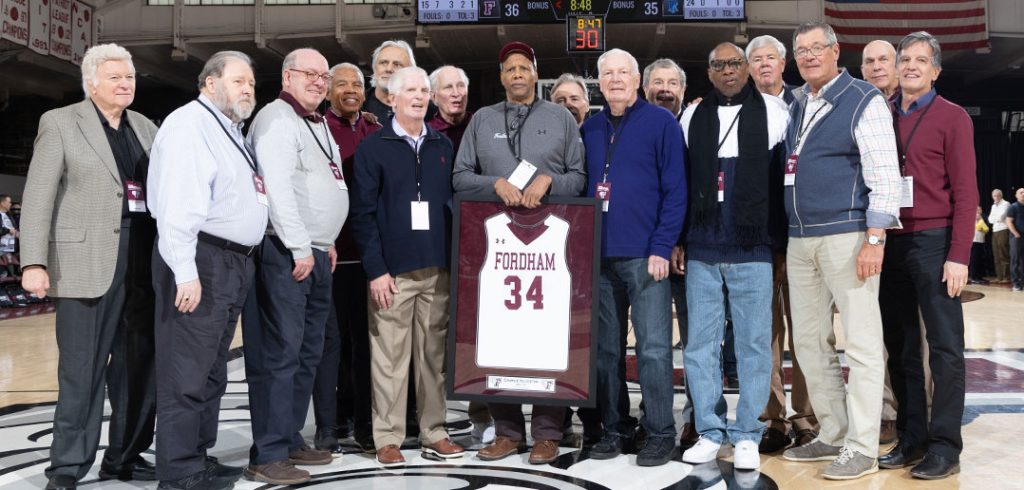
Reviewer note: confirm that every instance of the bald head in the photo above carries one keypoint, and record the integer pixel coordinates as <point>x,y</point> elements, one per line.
<point>878,66</point>
<point>305,75</point>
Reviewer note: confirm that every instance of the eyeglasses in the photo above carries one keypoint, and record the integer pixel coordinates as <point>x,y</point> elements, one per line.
<point>815,50</point>
<point>735,64</point>
<point>312,76</point>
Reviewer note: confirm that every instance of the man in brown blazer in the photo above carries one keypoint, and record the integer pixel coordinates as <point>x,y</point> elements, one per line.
<point>87,240</point>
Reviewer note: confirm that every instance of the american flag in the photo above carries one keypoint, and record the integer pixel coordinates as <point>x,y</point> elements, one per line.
<point>958,24</point>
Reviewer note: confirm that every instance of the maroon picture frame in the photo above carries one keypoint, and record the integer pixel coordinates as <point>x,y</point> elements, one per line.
<point>468,380</point>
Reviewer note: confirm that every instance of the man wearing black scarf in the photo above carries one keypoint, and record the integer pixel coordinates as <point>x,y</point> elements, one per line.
<point>734,141</point>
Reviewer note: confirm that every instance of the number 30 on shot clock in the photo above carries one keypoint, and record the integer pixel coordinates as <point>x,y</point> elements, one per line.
<point>585,33</point>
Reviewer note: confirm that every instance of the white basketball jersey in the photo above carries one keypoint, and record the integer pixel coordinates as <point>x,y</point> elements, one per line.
<point>525,291</point>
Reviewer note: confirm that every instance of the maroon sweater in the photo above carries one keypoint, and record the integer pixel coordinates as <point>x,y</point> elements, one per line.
<point>941,160</point>
<point>348,136</point>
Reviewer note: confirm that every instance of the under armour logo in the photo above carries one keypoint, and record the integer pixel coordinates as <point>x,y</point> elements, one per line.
<point>542,131</point>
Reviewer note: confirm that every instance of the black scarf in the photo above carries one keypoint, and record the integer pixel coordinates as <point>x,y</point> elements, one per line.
<point>752,167</point>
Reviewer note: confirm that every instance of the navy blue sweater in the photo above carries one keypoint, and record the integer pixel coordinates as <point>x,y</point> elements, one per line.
<point>383,189</point>
<point>648,177</point>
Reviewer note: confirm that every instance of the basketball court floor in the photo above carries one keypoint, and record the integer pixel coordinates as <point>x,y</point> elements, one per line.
<point>993,429</point>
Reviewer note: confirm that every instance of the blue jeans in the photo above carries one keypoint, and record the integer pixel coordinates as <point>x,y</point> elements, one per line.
<point>750,296</point>
<point>625,283</point>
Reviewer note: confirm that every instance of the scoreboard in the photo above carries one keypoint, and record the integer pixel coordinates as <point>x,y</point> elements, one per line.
<point>559,11</point>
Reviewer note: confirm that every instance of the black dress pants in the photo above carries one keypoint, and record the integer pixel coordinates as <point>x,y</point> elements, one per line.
<point>192,354</point>
<point>107,341</point>
<point>342,387</point>
<point>911,281</point>
<point>283,351</point>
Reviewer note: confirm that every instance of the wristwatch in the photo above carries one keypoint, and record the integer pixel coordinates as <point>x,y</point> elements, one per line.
<point>875,240</point>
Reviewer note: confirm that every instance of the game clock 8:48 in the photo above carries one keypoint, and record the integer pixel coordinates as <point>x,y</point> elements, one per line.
<point>584,33</point>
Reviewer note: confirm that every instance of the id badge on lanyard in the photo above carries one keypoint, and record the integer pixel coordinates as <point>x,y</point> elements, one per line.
<point>136,196</point>
<point>261,189</point>
<point>338,177</point>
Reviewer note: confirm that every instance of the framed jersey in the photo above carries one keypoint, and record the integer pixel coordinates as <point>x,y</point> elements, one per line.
<point>524,302</point>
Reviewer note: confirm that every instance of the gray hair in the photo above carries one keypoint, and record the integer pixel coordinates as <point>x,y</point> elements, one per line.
<point>96,56</point>
<point>214,66</point>
<point>437,73</point>
<point>572,78</point>
<point>809,26</point>
<point>711,55</point>
<point>763,41</point>
<point>347,66</point>
<point>662,64</point>
<point>923,37</point>
<point>397,80</point>
<point>632,60</point>
<point>397,43</point>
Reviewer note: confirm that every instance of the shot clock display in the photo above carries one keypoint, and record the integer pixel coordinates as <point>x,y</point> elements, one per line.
<point>584,33</point>
<point>557,11</point>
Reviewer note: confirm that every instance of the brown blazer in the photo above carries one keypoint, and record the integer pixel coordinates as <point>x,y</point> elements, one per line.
<point>71,211</point>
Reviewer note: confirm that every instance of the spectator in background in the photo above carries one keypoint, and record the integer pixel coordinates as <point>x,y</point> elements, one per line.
<point>977,275</point>
<point>1000,237</point>
<point>1015,223</point>
<point>664,84</point>
<point>570,91</point>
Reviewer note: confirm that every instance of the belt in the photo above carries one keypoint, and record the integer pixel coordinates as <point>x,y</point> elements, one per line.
<point>246,250</point>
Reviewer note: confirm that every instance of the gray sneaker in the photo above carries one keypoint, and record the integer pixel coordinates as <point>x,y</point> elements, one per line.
<point>812,451</point>
<point>850,465</point>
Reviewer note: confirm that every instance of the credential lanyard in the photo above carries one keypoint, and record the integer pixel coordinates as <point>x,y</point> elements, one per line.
<point>613,141</point>
<point>905,146</point>
<point>804,129</point>
<point>249,159</point>
<point>328,151</point>
<point>516,147</point>
<point>727,131</point>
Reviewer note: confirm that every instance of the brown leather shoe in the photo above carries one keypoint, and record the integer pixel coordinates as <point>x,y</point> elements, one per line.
<point>804,437</point>
<point>444,448</point>
<point>689,436</point>
<point>306,455</point>
<point>276,473</point>
<point>544,452</point>
<point>887,432</point>
<point>502,447</point>
<point>389,456</point>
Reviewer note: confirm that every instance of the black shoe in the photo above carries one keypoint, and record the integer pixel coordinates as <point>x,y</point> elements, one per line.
<point>656,452</point>
<point>326,439</point>
<point>200,480</point>
<point>608,447</point>
<point>773,440</point>
<point>139,470</point>
<point>223,472</point>
<point>935,467</point>
<point>62,482</point>
<point>901,456</point>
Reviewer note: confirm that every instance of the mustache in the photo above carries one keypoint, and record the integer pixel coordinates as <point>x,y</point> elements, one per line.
<point>665,96</point>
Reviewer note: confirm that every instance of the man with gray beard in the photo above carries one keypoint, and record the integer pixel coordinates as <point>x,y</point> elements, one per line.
<point>205,265</point>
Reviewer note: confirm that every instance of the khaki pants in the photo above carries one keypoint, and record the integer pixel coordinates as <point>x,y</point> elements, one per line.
<point>414,326</point>
<point>775,412</point>
<point>1001,254</point>
<point>822,270</point>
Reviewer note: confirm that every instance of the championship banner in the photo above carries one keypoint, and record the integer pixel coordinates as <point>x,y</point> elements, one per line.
<point>81,30</point>
<point>60,29</point>
<point>15,21</point>
<point>39,26</point>
<point>523,302</point>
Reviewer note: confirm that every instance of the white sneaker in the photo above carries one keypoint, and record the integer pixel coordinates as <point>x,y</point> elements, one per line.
<point>703,452</point>
<point>484,432</point>
<point>745,456</point>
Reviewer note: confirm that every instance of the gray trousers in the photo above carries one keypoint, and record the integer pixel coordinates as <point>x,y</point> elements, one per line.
<point>117,326</point>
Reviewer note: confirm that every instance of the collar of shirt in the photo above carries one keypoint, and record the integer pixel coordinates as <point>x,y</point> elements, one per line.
<point>399,131</point>
<point>106,123</point>
<point>331,113</point>
<point>221,118</point>
<point>915,105</point>
<point>821,93</point>
<point>313,117</point>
